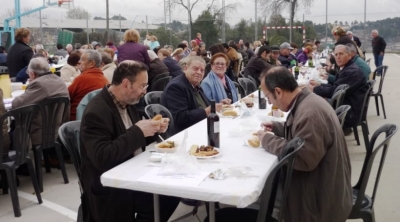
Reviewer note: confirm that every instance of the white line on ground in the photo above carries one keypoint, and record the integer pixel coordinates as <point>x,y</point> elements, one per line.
<point>396,55</point>
<point>53,206</point>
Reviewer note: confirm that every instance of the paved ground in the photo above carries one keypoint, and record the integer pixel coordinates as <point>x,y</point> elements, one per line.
<point>61,201</point>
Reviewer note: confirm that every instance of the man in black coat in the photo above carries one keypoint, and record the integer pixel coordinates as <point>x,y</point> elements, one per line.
<point>184,97</point>
<point>351,75</point>
<point>354,38</point>
<point>156,67</point>
<point>378,49</point>
<point>258,63</point>
<point>284,55</point>
<point>20,53</point>
<point>111,133</point>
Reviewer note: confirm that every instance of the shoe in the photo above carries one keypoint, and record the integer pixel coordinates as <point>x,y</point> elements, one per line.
<point>347,131</point>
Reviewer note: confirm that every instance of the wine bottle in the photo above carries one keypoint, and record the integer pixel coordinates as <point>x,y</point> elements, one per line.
<point>262,103</point>
<point>213,127</point>
<point>296,72</point>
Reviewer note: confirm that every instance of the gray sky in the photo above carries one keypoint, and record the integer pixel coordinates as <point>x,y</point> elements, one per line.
<point>340,10</point>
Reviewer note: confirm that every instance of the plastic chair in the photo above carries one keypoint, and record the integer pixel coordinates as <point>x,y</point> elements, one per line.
<point>159,76</point>
<point>21,141</point>
<point>341,87</point>
<point>248,85</point>
<point>84,102</point>
<point>363,116</point>
<point>341,113</point>
<point>52,111</point>
<point>368,61</point>
<point>363,205</point>
<point>154,109</point>
<point>378,94</point>
<point>69,136</point>
<point>337,99</point>
<point>160,84</point>
<point>153,97</point>
<point>282,171</point>
<point>240,90</point>
<point>252,79</point>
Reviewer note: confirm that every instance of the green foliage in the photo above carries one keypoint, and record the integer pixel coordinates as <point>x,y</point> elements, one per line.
<point>78,13</point>
<point>205,24</point>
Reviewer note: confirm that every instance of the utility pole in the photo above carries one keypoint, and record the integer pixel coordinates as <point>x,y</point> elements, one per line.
<point>291,20</point>
<point>147,25</point>
<point>120,31</point>
<point>223,21</point>
<point>108,21</point>
<point>365,24</point>
<point>87,28</point>
<point>326,23</point>
<point>189,23</point>
<point>41,30</point>
<point>255,21</point>
<point>170,24</point>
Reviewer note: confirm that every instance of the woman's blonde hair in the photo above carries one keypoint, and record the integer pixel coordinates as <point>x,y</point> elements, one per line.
<point>110,52</point>
<point>256,44</point>
<point>339,31</point>
<point>153,37</point>
<point>21,33</point>
<point>131,35</point>
<point>163,52</point>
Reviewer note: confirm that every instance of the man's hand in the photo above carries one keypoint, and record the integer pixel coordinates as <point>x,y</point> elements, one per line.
<point>226,101</point>
<point>314,83</point>
<point>382,53</point>
<point>164,125</point>
<point>311,88</point>
<point>267,126</point>
<point>218,108</point>
<point>278,63</point>
<point>148,127</point>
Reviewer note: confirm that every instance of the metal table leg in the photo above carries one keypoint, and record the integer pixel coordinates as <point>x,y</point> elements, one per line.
<point>212,212</point>
<point>156,208</point>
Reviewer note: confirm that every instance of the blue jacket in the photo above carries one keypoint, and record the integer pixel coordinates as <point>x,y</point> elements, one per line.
<point>173,66</point>
<point>84,102</point>
<point>22,76</point>
<point>179,99</point>
<point>214,90</point>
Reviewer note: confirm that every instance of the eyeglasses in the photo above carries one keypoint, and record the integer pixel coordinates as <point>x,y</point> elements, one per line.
<point>143,88</point>
<point>219,64</point>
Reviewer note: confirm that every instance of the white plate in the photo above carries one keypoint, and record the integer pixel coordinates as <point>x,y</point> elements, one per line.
<point>208,157</point>
<point>166,150</point>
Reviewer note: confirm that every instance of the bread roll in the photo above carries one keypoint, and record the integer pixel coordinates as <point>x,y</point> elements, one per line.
<point>229,113</point>
<point>254,142</point>
<point>158,117</point>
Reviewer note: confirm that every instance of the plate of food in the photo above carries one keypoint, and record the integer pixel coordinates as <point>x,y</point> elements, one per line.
<point>166,146</point>
<point>204,152</point>
<point>249,101</point>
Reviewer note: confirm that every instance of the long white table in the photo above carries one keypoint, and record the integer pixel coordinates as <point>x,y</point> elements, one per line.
<point>239,192</point>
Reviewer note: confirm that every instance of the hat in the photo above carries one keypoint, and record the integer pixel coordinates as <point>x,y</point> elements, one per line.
<point>275,48</point>
<point>286,45</point>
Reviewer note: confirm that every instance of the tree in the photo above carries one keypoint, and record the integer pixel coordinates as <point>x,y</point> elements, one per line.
<point>205,24</point>
<point>78,13</point>
<point>211,5</point>
<point>116,17</point>
<point>98,18</point>
<point>273,7</point>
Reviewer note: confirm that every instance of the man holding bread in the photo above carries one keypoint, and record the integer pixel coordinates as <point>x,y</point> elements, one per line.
<point>111,133</point>
<point>184,97</point>
<point>321,181</point>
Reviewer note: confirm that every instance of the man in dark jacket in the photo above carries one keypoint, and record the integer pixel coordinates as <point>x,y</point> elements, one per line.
<point>351,75</point>
<point>248,50</point>
<point>354,38</point>
<point>156,67</point>
<point>378,49</point>
<point>184,97</point>
<point>284,56</point>
<point>111,133</point>
<point>258,63</point>
<point>20,53</point>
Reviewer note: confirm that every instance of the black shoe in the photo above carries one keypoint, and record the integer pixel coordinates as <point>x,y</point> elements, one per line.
<point>347,131</point>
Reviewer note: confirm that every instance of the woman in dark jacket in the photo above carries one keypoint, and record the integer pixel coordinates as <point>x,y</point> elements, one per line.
<point>173,66</point>
<point>156,67</point>
<point>132,49</point>
<point>20,53</point>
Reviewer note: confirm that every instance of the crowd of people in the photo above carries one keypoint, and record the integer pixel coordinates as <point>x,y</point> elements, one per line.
<point>112,128</point>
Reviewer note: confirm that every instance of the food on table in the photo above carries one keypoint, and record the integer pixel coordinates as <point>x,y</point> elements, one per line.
<point>229,113</point>
<point>251,95</point>
<point>254,142</point>
<point>196,150</point>
<point>249,104</point>
<point>158,117</point>
<point>167,144</point>
<point>281,114</point>
<point>276,112</point>
<point>227,107</point>
<point>255,133</point>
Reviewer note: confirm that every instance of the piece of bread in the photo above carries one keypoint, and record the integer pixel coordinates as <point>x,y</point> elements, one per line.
<point>158,117</point>
<point>229,113</point>
<point>193,149</point>
<point>282,114</point>
<point>254,142</point>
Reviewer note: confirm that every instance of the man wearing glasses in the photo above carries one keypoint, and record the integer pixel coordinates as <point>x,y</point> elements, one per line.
<point>111,133</point>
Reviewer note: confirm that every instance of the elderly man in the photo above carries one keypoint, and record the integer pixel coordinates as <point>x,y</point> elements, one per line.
<point>107,66</point>
<point>111,133</point>
<point>184,97</point>
<point>351,75</point>
<point>359,61</point>
<point>284,57</point>
<point>186,49</point>
<point>43,84</point>
<point>354,38</point>
<point>321,181</point>
<point>69,48</point>
<point>90,79</point>
<point>378,49</point>
<point>61,51</point>
<point>258,63</point>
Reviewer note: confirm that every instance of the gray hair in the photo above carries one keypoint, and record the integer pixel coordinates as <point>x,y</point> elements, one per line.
<point>94,56</point>
<point>347,48</point>
<point>190,59</point>
<point>106,58</point>
<point>352,47</point>
<point>78,45</point>
<point>202,44</point>
<point>375,31</point>
<point>69,46</point>
<point>38,46</point>
<point>39,66</point>
<point>349,32</point>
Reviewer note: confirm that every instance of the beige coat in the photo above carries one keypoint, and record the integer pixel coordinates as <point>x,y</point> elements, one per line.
<point>321,185</point>
<point>108,71</point>
<point>68,71</point>
<point>49,85</point>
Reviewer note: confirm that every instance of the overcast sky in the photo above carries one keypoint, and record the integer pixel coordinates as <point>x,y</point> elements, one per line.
<point>340,10</point>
